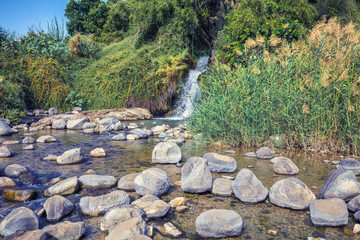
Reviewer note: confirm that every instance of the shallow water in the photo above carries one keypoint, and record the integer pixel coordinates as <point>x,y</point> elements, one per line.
<point>125,157</point>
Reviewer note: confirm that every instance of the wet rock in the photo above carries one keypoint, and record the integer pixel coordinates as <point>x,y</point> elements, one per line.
<point>153,209</point>
<point>65,187</point>
<point>119,137</point>
<point>5,129</point>
<point>219,223</point>
<point>159,129</point>
<point>7,182</point>
<point>94,206</point>
<point>66,230</point>
<point>77,124</point>
<point>19,195</point>
<point>132,126</point>
<point>29,147</point>
<point>220,163</point>
<point>130,228</point>
<point>140,133</point>
<point>248,188</point>
<point>20,218</point>
<point>196,176</point>
<point>179,201</point>
<point>264,153</point>
<point>59,124</point>
<point>152,181</point>
<point>108,121</point>
<point>354,204</point>
<point>71,156</point>
<point>98,152</point>
<point>26,178</point>
<point>97,181</point>
<point>222,187</point>
<point>166,152</point>
<point>285,166</point>
<point>349,164</point>
<point>329,212</point>
<point>5,152</point>
<point>50,158</point>
<point>340,183</point>
<point>132,137</point>
<point>250,155</point>
<point>11,142</point>
<point>46,139</point>
<point>14,170</point>
<point>127,182</point>
<point>172,230</point>
<point>57,207</point>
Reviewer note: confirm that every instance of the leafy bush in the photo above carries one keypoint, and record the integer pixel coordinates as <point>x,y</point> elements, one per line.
<point>82,46</point>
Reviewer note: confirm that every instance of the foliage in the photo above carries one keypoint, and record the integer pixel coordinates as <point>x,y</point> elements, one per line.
<point>82,45</point>
<point>345,10</point>
<point>307,91</point>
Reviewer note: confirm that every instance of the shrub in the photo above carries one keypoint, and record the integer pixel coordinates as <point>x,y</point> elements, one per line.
<point>82,45</point>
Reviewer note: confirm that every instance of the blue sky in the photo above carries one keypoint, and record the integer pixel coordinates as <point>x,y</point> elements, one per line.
<point>18,15</point>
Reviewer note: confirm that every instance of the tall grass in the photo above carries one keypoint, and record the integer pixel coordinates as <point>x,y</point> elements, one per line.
<point>307,91</point>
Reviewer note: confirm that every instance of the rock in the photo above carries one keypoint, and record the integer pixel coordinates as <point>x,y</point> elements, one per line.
<point>357,216</point>
<point>11,142</point>
<point>291,193</point>
<point>59,124</point>
<point>196,176</point>
<point>264,153</point>
<point>65,187</point>
<point>326,161</point>
<point>88,125</point>
<point>152,181</point>
<point>71,156</point>
<point>5,152</point>
<point>14,170</point>
<point>329,212</point>
<point>50,158</point>
<point>272,232</point>
<point>132,126</point>
<point>230,152</point>
<point>178,141</point>
<point>26,178</point>
<point>19,195</point>
<point>119,137</point>
<point>340,183</point>
<point>77,109</point>
<point>98,152</point>
<point>248,188</point>
<point>172,230</point>
<point>354,204</point>
<point>159,129</point>
<point>283,165</point>
<point>153,209</point>
<point>222,187</point>
<point>7,182</point>
<point>97,181</point>
<point>108,121</point>
<point>28,140</point>
<point>118,215</point>
<point>229,177</point>
<point>140,133</point>
<point>46,139</point>
<point>220,163</point>
<point>56,180</point>
<point>66,230</point>
<point>179,201</point>
<point>146,198</point>
<point>350,164</point>
<point>57,207</point>
<point>29,235</point>
<point>20,218</point>
<point>29,147</point>
<point>166,152</point>
<point>335,162</point>
<point>219,223</point>
<point>182,208</point>
<point>4,128</point>
<point>356,228</point>
<point>127,182</point>
<point>38,112</point>
<point>53,111</point>
<point>33,129</point>
<point>250,155</point>
<point>141,237</point>
<point>95,206</point>
<point>77,124</point>
<point>132,137</point>
<point>130,228</point>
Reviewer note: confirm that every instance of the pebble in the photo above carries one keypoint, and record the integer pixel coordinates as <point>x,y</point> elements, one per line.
<point>179,201</point>
<point>250,166</point>
<point>177,183</point>
<point>29,147</point>
<point>11,142</point>
<point>272,232</point>
<point>178,164</point>
<point>181,208</point>
<point>335,162</point>
<point>326,161</point>
<point>230,152</point>
<point>356,228</point>
<point>50,157</point>
<point>172,230</point>
<point>228,177</point>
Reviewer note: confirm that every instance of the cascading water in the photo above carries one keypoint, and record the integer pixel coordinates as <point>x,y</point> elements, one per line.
<point>189,91</point>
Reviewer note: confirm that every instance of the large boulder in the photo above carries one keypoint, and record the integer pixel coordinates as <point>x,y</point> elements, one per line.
<point>5,152</point>
<point>196,176</point>
<point>283,165</point>
<point>220,163</point>
<point>350,164</point>
<point>5,129</point>
<point>94,206</point>
<point>329,212</point>
<point>152,181</point>
<point>264,153</point>
<point>56,207</point>
<point>127,182</point>
<point>140,133</point>
<point>219,223</point>
<point>354,204</point>
<point>108,121</point>
<point>71,156</point>
<point>46,139</point>
<point>248,188</point>
<point>14,170</point>
<point>96,181</point>
<point>128,229</point>
<point>77,124</point>
<point>65,187</point>
<point>222,187</point>
<point>59,124</point>
<point>20,218</point>
<point>166,152</point>
<point>291,193</point>
<point>66,230</point>
<point>340,183</point>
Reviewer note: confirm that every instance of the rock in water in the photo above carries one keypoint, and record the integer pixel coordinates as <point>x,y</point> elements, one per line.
<point>46,139</point>
<point>222,187</point>
<point>14,170</point>
<point>96,181</point>
<point>354,204</point>
<point>220,163</point>
<point>152,206</point>
<point>291,193</point>
<point>283,165</point>
<point>77,124</point>
<point>350,164</point>
<point>66,230</point>
<point>5,152</point>
<point>59,124</point>
<point>7,182</point>
<point>219,223</point>
<point>127,182</point>
<point>98,152</point>
<point>71,156</point>
<point>20,218</point>
<point>340,183</point>
<point>264,153</point>
<point>248,188</point>
<point>152,181</point>
<point>65,187</point>
<point>329,212</point>
<point>166,152</point>
<point>57,207</point>
<point>128,229</point>
<point>19,195</point>
<point>28,140</point>
<point>196,176</point>
<point>250,155</point>
<point>119,137</point>
<point>5,129</point>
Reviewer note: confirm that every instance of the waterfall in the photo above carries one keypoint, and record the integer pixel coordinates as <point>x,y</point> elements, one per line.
<point>189,91</point>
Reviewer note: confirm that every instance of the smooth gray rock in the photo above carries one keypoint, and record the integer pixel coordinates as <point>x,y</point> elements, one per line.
<point>14,170</point>
<point>349,164</point>
<point>220,163</point>
<point>132,126</point>
<point>59,124</point>
<point>29,147</point>
<point>222,187</point>
<point>53,111</point>
<point>65,187</point>
<point>119,137</point>
<point>95,206</point>
<point>291,193</point>
<point>130,228</point>
<point>146,198</point>
<point>5,129</point>
<point>132,137</point>
<point>5,152</point>
<point>283,165</point>
<point>71,156</point>
<point>127,182</point>
<point>329,212</point>
<point>357,216</point>
<point>153,209</point>
<point>66,230</point>
<point>28,140</point>
<point>166,152</point>
<point>152,181</point>
<point>46,139</point>
<point>248,188</point>
<point>29,235</point>
<point>179,140</point>
<point>264,153</point>
<point>98,153</point>
<point>77,124</point>
<point>56,207</point>
<point>89,125</point>
<point>354,204</point>
<point>7,182</point>
<point>140,133</point>
<point>108,121</point>
<point>340,183</point>
<point>159,129</point>
<point>250,155</point>
<point>21,218</point>
<point>219,223</point>
<point>96,181</point>
<point>196,176</point>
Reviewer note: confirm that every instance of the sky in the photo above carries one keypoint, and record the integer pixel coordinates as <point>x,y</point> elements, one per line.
<point>19,15</point>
